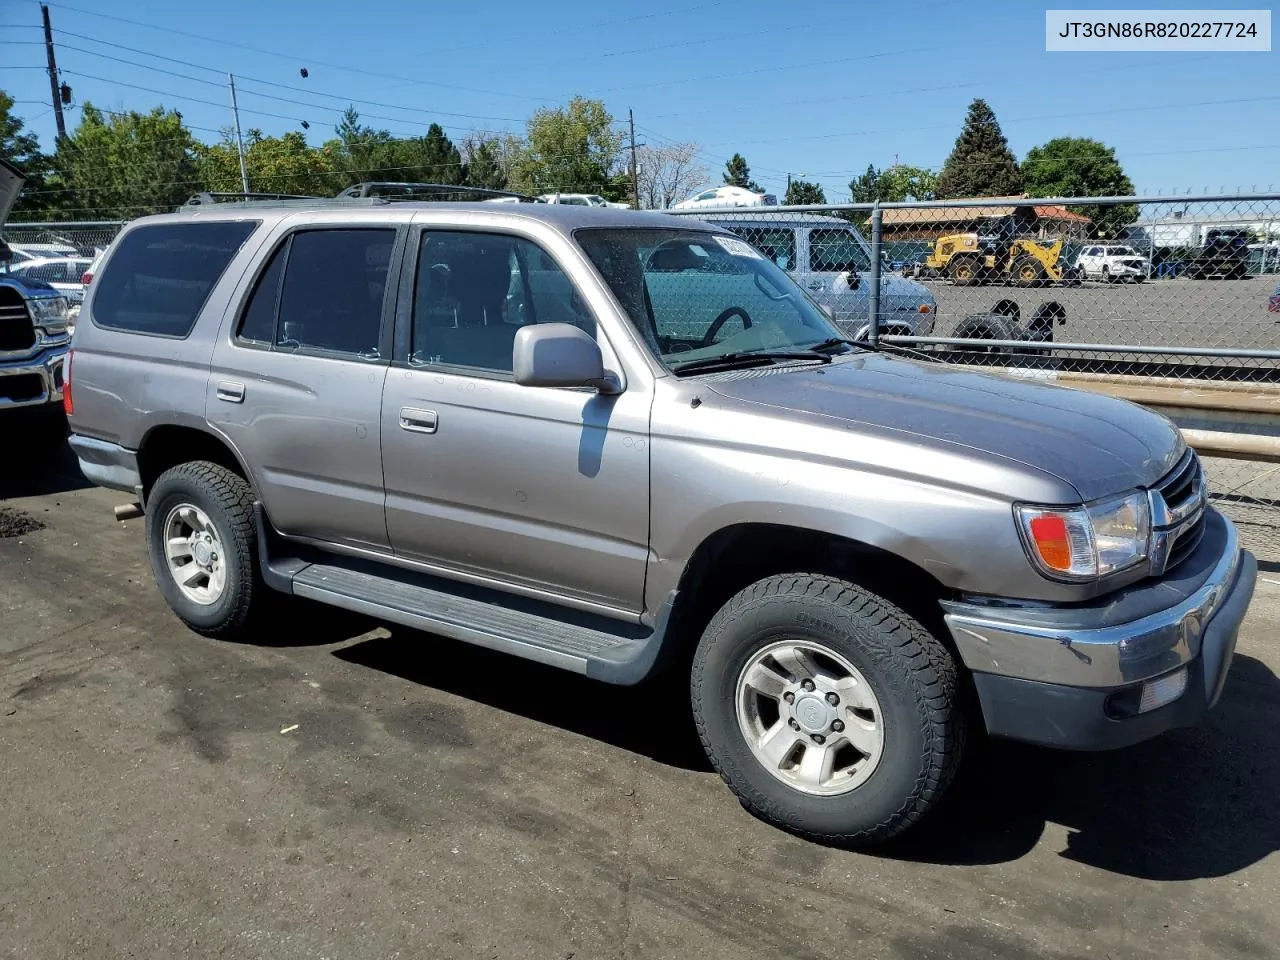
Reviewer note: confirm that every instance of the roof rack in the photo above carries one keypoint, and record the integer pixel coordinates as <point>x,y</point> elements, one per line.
<point>388,190</point>
<point>209,197</point>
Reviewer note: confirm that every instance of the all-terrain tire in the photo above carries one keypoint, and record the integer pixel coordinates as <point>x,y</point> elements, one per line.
<point>914,678</point>
<point>227,500</point>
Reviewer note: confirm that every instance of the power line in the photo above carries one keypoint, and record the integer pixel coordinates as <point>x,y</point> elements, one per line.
<point>296,58</point>
<point>259,80</point>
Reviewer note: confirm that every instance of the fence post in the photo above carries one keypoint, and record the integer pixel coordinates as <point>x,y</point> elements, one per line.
<point>873,295</point>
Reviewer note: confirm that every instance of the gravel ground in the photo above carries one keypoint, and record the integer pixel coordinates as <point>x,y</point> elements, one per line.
<point>340,789</point>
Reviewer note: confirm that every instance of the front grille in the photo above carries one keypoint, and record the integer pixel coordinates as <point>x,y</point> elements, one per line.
<point>1180,508</point>
<point>1182,488</point>
<point>24,386</point>
<point>1186,542</point>
<point>16,331</point>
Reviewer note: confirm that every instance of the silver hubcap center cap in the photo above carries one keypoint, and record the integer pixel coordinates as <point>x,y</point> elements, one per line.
<point>813,714</point>
<point>202,552</point>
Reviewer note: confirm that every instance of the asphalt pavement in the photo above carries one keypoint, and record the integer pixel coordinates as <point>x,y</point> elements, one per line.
<point>343,790</point>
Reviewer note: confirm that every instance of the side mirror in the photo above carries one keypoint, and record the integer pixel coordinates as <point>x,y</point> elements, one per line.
<point>559,355</point>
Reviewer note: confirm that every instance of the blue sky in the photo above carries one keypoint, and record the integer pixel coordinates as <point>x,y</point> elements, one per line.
<point>819,93</point>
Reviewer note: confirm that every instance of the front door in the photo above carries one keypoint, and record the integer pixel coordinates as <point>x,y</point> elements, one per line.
<point>544,488</point>
<point>297,384</point>
<point>837,271</point>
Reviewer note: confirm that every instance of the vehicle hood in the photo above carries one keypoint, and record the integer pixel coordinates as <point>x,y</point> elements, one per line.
<point>29,286</point>
<point>1097,444</point>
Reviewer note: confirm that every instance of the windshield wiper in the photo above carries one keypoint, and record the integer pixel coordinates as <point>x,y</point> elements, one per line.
<point>832,342</point>
<point>748,358</point>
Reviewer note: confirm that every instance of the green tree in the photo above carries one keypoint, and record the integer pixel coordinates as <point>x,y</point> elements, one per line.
<point>802,191</point>
<point>22,149</point>
<point>1081,167</point>
<point>738,174</point>
<point>981,163</point>
<point>439,159</point>
<point>275,165</point>
<point>485,163</point>
<point>865,188</point>
<point>127,164</point>
<point>571,148</point>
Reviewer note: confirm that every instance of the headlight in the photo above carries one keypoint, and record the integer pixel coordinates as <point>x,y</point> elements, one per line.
<point>50,313</point>
<point>1087,542</point>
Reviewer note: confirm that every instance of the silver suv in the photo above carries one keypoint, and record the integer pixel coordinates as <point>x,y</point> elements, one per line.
<point>626,443</point>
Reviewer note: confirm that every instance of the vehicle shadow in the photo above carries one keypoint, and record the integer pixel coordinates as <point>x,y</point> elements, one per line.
<point>1190,804</point>
<point>653,719</point>
<point>1193,803</point>
<point>43,472</point>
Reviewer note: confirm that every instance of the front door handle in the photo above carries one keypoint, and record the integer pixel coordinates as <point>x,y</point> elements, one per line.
<point>230,391</point>
<point>417,420</point>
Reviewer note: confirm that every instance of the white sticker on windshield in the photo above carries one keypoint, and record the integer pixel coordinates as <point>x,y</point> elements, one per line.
<point>738,247</point>
<point>698,251</point>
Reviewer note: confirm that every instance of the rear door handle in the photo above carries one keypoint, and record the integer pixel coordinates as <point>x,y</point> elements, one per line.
<point>230,391</point>
<point>417,420</point>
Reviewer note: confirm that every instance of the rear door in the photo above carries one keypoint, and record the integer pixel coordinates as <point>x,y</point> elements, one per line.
<point>296,381</point>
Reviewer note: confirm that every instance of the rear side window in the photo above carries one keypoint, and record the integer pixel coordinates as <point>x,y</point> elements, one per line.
<point>331,297</point>
<point>160,276</point>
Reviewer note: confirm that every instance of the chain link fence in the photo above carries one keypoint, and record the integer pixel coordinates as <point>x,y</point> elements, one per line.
<point>1123,294</point>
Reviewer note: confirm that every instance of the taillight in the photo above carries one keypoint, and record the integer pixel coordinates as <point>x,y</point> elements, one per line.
<point>67,405</point>
<point>86,278</point>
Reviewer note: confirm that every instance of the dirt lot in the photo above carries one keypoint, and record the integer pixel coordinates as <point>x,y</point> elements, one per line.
<point>341,790</point>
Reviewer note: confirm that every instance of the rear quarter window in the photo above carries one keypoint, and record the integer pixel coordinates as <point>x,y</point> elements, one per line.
<point>159,277</point>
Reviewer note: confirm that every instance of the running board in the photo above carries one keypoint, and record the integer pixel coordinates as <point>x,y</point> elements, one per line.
<point>602,648</point>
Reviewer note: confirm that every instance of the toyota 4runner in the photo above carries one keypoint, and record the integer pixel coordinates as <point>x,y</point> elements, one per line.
<point>622,443</point>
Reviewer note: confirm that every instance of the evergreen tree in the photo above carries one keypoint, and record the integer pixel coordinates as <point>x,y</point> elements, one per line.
<point>484,164</point>
<point>802,191</point>
<point>981,163</point>
<point>738,174</point>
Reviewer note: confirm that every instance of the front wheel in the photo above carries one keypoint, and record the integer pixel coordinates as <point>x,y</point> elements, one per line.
<point>203,542</point>
<point>827,710</point>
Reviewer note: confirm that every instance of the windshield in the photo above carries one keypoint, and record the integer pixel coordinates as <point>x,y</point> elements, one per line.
<point>696,295</point>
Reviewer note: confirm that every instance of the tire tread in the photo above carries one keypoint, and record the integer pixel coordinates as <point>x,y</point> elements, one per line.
<point>932,673</point>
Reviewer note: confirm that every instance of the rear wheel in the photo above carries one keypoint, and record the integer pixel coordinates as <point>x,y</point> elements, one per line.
<point>826,709</point>
<point>203,546</point>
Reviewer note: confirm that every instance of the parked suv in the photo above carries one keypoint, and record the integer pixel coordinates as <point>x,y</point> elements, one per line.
<point>624,443</point>
<point>830,259</point>
<point>1109,262</point>
<point>34,334</point>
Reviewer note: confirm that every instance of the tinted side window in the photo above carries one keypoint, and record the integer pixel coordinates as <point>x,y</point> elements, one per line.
<point>779,245</point>
<point>160,276</point>
<point>258,324</point>
<point>473,291</point>
<point>334,285</point>
<point>836,251</point>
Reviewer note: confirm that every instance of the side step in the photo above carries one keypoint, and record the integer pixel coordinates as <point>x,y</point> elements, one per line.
<point>608,650</point>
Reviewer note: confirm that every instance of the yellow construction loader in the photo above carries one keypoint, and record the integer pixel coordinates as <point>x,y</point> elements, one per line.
<point>999,252</point>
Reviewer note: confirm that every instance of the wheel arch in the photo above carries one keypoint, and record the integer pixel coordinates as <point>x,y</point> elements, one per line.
<point>166,445</point>
<point>737,555</point>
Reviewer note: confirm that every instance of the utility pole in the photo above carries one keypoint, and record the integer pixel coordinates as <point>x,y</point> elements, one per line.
<point>635,184</point>
<point>235,110</point>
<point>53,73</point>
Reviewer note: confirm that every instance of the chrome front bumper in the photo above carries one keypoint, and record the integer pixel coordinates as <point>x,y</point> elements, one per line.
<point>1054,675</point>
<point>47,367</point>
